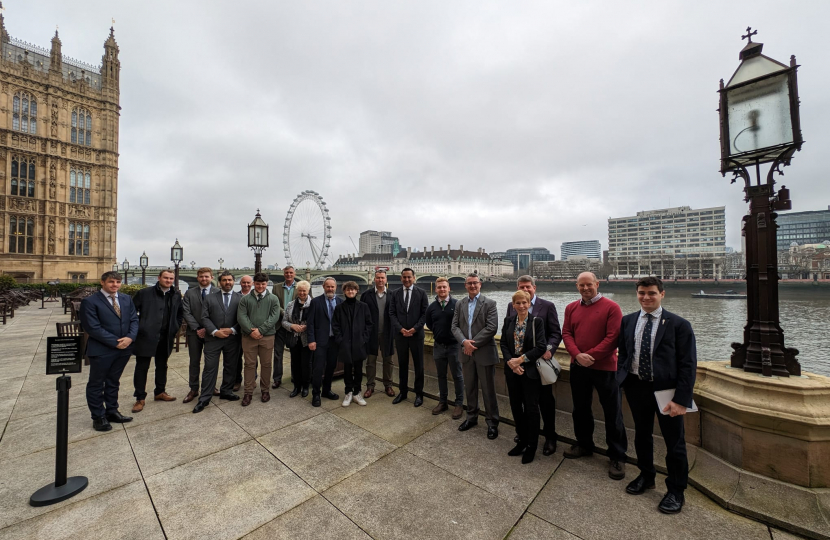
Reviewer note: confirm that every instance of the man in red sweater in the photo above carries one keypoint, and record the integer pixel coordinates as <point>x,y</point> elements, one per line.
<point>590,333</point>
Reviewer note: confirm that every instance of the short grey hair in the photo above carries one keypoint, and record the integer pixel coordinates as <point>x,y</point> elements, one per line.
<point>526,279</point>
<point>381,271</point>
<point>304,285</point>
<point>330,278</point>
<point>475,275</point>
<point>289,267</point>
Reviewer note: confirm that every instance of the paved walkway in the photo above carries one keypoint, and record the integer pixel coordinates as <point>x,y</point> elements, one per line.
<point>287,470</point>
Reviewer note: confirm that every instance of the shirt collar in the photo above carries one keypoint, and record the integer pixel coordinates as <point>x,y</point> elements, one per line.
<point>474,298</point>
<point>593,300</point>
<point>107,295</point>
<point>533,300</point>
<point>656,313</point>
<point>284,286</point>
<point>205,288</point>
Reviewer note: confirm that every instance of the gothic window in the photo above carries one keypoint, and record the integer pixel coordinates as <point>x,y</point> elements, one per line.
<point>79,184</point>
<point>78,238</point>
<point>21,235</point>
<point>81,127</point>
<point>23,177</point>
<point>24,113</point>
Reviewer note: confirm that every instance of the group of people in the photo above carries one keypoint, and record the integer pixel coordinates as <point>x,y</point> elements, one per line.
<point>253,327</point>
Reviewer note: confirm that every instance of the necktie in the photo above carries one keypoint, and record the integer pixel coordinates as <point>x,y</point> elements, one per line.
<point>227,300</point>
<point>204,293</point>
<point>644,370</point>
<point>406,299</point>
<point>443,303</point>
<point>331,315</point>
<point>115,305</point>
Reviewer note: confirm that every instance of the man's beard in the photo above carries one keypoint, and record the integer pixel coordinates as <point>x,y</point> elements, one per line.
<point>329,295</point>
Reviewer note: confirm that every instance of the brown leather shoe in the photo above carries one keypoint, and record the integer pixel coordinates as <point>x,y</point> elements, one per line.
<point>139,406</point>
<point>266,397</point>
<point>441,407</point>
<point>457,412</point>
<point>276,384</point>
<point>369,391</point>
<point>215,391</point>
<point>246,400</point>
<point>237,386</point>
<point>190,396</point>
<point>390,392</point>
<point>164,396</point>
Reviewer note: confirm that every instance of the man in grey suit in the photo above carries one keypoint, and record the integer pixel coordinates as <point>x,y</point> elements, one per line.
<point>221,335</point>
<point>474,326</point>
<point>192,308</point>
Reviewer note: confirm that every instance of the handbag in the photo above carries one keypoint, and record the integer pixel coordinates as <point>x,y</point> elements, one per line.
<point>548,369</point>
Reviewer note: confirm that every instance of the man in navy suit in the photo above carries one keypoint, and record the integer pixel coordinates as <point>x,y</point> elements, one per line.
<point>321,342</point>
<point>408,314</point>
<point>111,321</point>
<point>657,352</point>
<point>546,311</point>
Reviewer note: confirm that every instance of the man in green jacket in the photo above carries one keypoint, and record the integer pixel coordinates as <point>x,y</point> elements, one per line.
<point>257,315</point>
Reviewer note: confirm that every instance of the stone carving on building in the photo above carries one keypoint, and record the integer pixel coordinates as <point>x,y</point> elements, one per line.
<point>51,241</point>
<point>23,205</point>
<point>76,210</point>
<point>53,207</point>
<point>62,210</point>
<point>54,119</point>
<point>2,202</point>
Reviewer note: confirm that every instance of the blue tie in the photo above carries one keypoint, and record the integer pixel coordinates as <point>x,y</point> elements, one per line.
<point>204,293</point>
<point>644,370</point>
<point>331,315</point>
<point>227,300</point>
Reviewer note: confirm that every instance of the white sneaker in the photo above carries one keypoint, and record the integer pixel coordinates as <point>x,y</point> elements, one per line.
<point>347,400</point>
<point>359,398</point>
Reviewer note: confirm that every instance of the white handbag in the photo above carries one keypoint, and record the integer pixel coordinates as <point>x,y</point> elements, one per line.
<point>548,369</point>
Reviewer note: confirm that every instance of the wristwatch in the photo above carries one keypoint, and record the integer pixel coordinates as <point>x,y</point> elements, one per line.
<point>550,347</point>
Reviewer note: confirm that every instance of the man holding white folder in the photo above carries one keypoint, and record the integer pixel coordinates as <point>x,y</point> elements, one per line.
<point>657,353</point>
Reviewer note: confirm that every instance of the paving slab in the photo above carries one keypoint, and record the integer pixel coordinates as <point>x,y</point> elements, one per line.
<point>325,449</point>
<point>108,462</point>
<point>416,499</point>
<point>170,442</point>
<point>778,534</point>
<point>531,527</point>
<point>159,410</point>
<point>260,418</point>
<point>10,388</point>
<point>296,524</point>
<point>485,463</point>
<point>716,478</point>
<point>397,424</point>
<point>13,370</point>
<point>225,495</point>
<point>40,397</point>
<point>584,483</point>
<point>125,513</point>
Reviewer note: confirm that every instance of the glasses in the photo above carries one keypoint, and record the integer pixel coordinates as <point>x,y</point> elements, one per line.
<point>473,283</point>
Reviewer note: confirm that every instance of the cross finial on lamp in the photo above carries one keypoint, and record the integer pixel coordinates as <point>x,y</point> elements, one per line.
<point>749,34</point>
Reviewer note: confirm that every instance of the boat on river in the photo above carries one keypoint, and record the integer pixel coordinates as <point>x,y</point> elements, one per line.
<point>728,295</point>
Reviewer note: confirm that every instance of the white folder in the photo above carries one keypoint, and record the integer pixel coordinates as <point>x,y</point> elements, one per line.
<point>663,398</point>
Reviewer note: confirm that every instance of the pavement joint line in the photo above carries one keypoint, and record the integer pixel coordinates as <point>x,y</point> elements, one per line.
<point>144,481</point>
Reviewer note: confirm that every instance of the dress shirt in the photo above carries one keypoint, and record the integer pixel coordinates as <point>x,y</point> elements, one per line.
<point>288,292</point>
<point>109,300</point>
<point>593,300</point>
<point>380,294</point>
<point>407,297</point>
<point>638,336</point>
<point>532,303</point>
<point>226,295</point>
<point>471,307</point>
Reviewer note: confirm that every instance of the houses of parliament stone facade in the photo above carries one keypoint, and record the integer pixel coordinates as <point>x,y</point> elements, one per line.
<point>58,161</point>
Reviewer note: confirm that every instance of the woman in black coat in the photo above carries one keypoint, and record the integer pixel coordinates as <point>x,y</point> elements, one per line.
<point>352,327</point>
<point>522,343</point>
<point>295,321</point>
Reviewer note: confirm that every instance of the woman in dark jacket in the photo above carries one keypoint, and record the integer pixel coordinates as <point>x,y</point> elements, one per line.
<point>352,327</point>
<point>294,320</point>
<point>522,343</point>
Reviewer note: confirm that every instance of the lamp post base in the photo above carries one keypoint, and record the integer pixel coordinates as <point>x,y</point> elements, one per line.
<point>51,494</point>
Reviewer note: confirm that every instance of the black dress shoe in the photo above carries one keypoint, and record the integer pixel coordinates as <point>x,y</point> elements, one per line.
<point>518,450</point>
<point>492,432</point>
<point>529,454</point>
<point>639,485</point>
<point>229,397</point>
<point>201,406</point>
<point>549,448</point>
<point>671,503</point>
<point>101,424</point>
<point>331,395</point>
<point>467,424</point>
<point>516,439</point>
<point>419,400</point>
<point>304,393</point>
<point>398,399</point>
<point>295,392</point>
<point>315,401</point>
<point>118,418</point>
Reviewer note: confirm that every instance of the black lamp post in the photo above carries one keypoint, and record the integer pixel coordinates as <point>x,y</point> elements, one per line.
<point>258,239</point>
<point>126,266</point>
<point>115,266</point>
<point>143,262</point>
<point>177,256</point>
<point>42,298</point>
<point>759,124</point>
<point>221,261</point>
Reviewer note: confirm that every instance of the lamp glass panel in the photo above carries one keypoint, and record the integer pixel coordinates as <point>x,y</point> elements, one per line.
<point>759,115</point>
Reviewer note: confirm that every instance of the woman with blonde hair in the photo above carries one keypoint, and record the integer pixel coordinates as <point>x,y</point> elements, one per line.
<point>294,320</point>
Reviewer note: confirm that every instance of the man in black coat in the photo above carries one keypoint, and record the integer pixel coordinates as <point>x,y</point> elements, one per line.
<point>321,341</point>
<point>407,313</point>
<point>352,326</point>
<point>380,344</point>
<point>159,318</point>
<point>657,352</point>
<point>445,348</point>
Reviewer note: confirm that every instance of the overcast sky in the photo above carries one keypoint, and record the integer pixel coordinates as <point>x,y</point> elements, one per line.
<point>488,124</point>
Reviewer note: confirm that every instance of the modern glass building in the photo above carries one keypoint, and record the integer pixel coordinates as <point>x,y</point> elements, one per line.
<point>522,257</point>
<point>802,228</point>
<point>582,248</point>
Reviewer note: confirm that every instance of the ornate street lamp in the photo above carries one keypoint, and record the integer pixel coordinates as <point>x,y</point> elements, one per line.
<point>193,265</point>
<point>126,266</point>
<point>759,124</point>
<point>258,239</point>
<point>177,256</point>
<point>115,266</point>
<point>220,261</point>
<point>143,262</point>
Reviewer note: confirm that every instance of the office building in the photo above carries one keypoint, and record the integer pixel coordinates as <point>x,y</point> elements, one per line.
<point>378,242</point>
<point>583,248</point>
<point>523,257</point>
<point>802,228</point>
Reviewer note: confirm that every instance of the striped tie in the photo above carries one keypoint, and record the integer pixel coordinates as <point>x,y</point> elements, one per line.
<point>644,370</point>
<point>115,305</point>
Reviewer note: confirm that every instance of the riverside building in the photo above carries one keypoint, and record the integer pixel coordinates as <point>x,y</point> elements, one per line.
<point>378,242</point>
<point>672,243</point>
<point>58,161</point>
<point>437,262</point>
<point>802,228</point>
<point>582,248</point>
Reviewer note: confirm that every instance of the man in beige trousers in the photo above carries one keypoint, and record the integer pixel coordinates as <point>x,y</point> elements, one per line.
<point>257,315</point>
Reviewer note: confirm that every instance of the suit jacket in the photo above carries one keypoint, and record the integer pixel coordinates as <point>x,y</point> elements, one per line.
<point>547,312</point>
<point>215,316</point>
<point>533,350</point>
<point>484,327</point>
<point>318,320</point>
<point>370,298</point>
<point>414,317</point>
<point>192,307</point>
<point>352,336</point>
<point>104,327</point>
<point>149,303</point>
<point>674,360</point>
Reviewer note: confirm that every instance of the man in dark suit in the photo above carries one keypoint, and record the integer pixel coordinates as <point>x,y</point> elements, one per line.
<point>285,293</point>
<point>657,352</point>
<point>380,345</point>
<point>546,311</point>
<point>159,318</point>
<point>192,305</point>
<point>407,313</point>
<point>111,321</point>
<point>221,336</point>
<point>321,342</point>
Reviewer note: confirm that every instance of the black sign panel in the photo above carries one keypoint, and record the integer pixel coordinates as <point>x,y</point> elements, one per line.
<point>63,355</point>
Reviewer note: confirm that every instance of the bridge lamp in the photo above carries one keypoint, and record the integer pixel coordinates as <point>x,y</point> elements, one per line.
<point>258,239</point>
<point>115,266</point>
<point>143,262</point>
<point>177,256</point>
<point>759,124</point>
